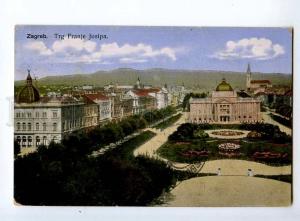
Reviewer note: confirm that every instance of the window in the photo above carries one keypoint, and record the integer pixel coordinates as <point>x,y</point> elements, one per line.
<point>54,126</point>
<point>44,114</point>
<point>18,126</point>
<point>24,141</point>
<point>44,126</point>
<point>54,114</point>
<point>19,140</point>
<point>29,115</point>
<point>29,141</point>
<point>23,115</point>
<point>29,126</point>
<point>24,126</point>
<point>38,141</point>
<point>37,114</point>
<point>17,114</point>
<point>37,126</point>
<point>44,140</point>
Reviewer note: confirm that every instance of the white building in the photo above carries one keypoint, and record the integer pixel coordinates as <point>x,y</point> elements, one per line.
<point>40,120</point>
<point>224,106</point>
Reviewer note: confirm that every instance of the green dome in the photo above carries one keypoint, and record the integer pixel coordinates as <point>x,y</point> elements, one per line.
<point>224,86</point>
<point>29,93</point>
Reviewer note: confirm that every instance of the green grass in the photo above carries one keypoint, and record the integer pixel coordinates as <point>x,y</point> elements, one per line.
<point>125,150</point>
<point>174,151</point>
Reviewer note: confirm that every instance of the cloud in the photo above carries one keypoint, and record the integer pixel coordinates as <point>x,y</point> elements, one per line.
<point>77,50</point>
<point>131,60</point>
<point>73,44</point>
<point>140,50</point>
<point>250,48</point>
<point>39,47</point>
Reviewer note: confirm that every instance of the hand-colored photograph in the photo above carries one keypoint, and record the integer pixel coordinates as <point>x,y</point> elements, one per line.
<point>153,116</point>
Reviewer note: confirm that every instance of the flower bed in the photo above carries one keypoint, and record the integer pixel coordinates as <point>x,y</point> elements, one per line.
<point>227,133</point>
<point>229,146</point>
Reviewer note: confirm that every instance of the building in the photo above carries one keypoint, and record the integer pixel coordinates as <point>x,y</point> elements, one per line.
<point>141,100</point>
<point>104,106</point>
<point>40,120</point>
<point>224,106</point>
<point>256,86</point>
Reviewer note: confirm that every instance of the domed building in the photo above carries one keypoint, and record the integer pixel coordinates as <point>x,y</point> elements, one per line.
<point>224,86</point>
<point>40,120</point>
<point>224,106</point>
<point>28,93</point>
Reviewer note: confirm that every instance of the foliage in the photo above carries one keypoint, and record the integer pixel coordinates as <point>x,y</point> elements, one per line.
<point>201,150</point>
<point>17,148</point>
<point>284,110</point>
<point>168,122</point>
<point>268,131</point>
<point>283,178</point>
<point>61,174</point>
<point>282,120</point>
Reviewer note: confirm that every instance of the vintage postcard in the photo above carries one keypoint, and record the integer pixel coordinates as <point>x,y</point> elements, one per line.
<point>153,116</point>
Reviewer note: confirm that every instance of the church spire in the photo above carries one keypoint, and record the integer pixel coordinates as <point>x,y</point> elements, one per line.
<point>29,79</point>
<point>248,68</point>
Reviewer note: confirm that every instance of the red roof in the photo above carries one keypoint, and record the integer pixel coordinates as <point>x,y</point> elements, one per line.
<point>145,92</point>
<point>97,96</point>
<point>260,82</point>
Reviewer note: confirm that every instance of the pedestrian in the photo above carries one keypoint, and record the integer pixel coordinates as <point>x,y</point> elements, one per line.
<point>219,171</point>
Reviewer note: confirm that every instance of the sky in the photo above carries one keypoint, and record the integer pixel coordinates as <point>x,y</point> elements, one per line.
<point>268,50</point>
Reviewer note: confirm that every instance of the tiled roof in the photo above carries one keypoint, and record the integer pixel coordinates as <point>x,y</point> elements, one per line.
<point>145,92</point>
<point>260,82</point>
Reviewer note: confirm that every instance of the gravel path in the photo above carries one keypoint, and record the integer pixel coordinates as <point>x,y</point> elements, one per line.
<point>230,191</point>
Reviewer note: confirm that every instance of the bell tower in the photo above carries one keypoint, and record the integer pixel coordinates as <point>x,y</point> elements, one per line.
<point>248,78</point>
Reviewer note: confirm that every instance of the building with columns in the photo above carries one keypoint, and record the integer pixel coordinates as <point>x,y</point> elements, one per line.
<point>224,106</point>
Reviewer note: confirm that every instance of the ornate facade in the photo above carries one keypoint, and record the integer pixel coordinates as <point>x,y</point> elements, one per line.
<point>224,106</point>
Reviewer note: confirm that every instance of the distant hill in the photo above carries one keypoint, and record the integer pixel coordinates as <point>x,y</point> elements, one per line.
<point>197,79</point>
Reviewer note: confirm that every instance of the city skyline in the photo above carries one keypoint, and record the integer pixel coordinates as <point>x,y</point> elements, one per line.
<point>269,50</point>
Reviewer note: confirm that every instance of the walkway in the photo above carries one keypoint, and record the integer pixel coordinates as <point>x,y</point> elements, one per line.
<point>150,147</point>
<point>230,191</point>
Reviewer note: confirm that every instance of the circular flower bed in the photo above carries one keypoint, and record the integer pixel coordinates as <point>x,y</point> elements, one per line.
<point>227,133</point>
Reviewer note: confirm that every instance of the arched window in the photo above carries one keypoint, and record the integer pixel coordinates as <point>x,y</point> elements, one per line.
<point>18,126</point>
<point>44,140</point>
<point>54,126</point>
<point>29,141</point>
<point>44,126</point>
<point>38,141</point>
<point>24,126</point>
<point>29,126</point>
<point>37,126</point>
<point>19,140</point>
<point>23,141</point>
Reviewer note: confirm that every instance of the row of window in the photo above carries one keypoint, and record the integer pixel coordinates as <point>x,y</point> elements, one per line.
<point>28,142</point>
<point>37,114</point>
<point>28,127</point>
